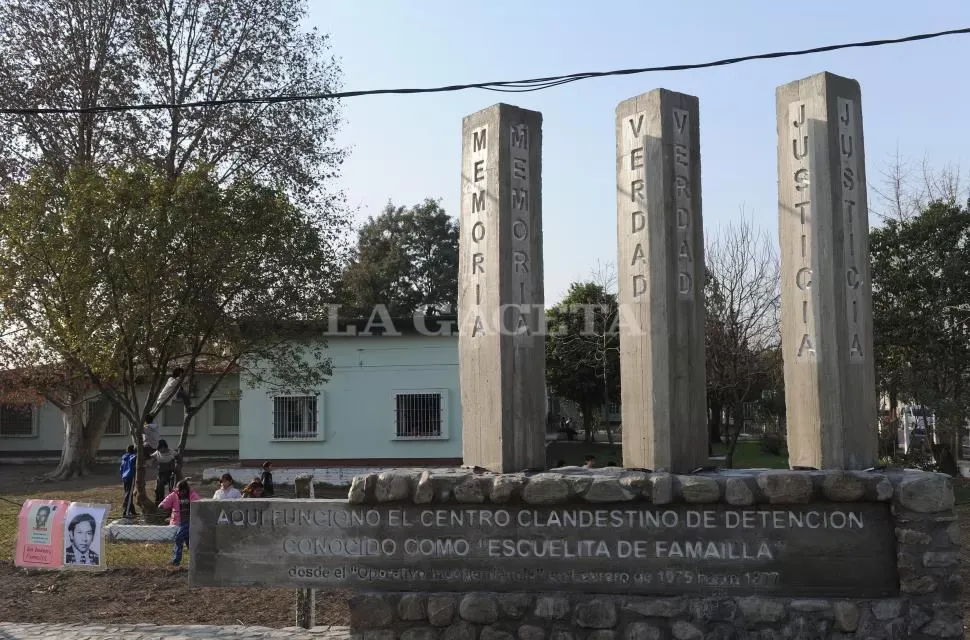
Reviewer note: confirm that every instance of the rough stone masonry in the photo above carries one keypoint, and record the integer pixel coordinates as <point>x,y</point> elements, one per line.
<point>897,575</point>
<point>660,240</point>
<point>826,290</point>
<point>501,344</point>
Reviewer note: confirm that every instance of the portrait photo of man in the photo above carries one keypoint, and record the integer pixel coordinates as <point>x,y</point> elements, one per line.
<point>81,536</point>
<point>40,529</point>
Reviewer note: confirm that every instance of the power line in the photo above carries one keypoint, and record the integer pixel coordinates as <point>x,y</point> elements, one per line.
<point>513,86</point>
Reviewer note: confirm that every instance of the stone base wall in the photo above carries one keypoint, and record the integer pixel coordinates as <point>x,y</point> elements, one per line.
<point>927,603</point>
<point>510,616</point>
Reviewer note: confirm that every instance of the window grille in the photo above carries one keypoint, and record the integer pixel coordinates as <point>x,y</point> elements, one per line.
<point>16,420</point>
<point>418,415</point>
<point>114,426</point>
<point>294,417</point>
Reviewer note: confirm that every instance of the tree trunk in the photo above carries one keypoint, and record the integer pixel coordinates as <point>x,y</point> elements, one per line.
<point>73,451</point>
<point>143,498</point>
<point>714,422</point>
<point>738,411</point>
<point>183,440</point>
<point>82,439</point>
<point>587,412</point>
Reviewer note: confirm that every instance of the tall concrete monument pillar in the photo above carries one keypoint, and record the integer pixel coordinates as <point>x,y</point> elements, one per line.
<point>501,344</point>
<point>661,282</point>
<point>826,291</point>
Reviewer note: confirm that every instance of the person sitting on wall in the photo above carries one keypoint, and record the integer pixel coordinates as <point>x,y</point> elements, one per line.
<point>253,490</point>
<point>226,491</point>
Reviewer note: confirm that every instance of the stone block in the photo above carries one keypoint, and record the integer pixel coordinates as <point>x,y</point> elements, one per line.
<point>492,633</point>
<point>441,609</point>
<point>921,585</point>
<point>601,634</point>
<point>362,489</point>
<point>887,609</point>
<point>786,487</point>
<point>940,559</point>
<point>469,491</point>
<point>843,487</point>
<point>642,631</point>
<point>608,489</point>
<point>926,492</point>
<point>812,605</point>
<point>683,630</point>
<point>505,487</point>
<point>636,482</point>
<point>846,616</point>
<point>661,488</point>
<point>912,536</point>
<point>514,605</point>
<point>480,608</point>
<point>546,489</point>
<point>461,630</point>
<point>759,610</point>
<point>551,607</point>
<point>393,486</point>
<point>699,489</point>
<point>412,606</point>
<point>738,493</point>
<point>370,611</point>
<point>657,607</point>
<point>531,632</point>
<point>420,633</point>
<point>424,491</point>
<point>597,613</point>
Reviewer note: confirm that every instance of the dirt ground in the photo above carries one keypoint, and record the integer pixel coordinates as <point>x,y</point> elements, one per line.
<point>131,594</point>
<point>161,594</point>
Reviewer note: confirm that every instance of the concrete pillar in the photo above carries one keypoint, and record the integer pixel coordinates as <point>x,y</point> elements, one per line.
<point>501,344</point>
<point>661,282</point>
<point>826,291</point>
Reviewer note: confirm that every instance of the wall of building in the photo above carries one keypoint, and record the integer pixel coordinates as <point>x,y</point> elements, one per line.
<point>356,409</point>
<point>205,436</point>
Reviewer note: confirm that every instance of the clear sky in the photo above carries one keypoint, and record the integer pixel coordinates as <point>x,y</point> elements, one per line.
<point>406,148</point>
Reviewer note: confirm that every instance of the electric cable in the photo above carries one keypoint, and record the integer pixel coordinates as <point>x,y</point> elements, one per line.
<point>508,86</point>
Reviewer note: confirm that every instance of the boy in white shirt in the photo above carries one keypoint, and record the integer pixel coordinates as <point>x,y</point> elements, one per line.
<point>226,491</point>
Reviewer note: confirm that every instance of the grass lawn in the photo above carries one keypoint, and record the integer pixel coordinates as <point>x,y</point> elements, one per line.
<point>748,455</point>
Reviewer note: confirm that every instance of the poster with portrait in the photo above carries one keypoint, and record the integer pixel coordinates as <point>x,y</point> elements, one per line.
<point>40,531</point>
<point>83,537</point>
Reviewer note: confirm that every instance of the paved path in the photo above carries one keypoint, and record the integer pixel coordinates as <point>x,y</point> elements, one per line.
<point>18,631</point>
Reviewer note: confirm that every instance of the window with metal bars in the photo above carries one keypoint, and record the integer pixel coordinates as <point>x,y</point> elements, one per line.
<point>418,415</point>
<point>114,426</point>
<point>16,420</point>
<point>294,417</point>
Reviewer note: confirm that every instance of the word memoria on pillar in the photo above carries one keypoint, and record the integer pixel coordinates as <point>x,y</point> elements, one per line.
<point>826,291</point>
<point>661,282</point>
<point>500,291</point>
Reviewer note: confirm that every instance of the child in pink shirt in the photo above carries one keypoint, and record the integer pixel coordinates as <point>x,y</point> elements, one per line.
<point>178,501</point>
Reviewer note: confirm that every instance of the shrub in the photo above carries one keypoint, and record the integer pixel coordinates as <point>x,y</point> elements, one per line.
<point>773,444</point>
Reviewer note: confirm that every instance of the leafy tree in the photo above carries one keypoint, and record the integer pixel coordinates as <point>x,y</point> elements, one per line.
<point>921,310</point>
<point>582,349</point>
<point>95,53</point>
<point>87,53</point>
<point>407,260</point>
<point>742,332</point>
<point>122,274</point>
